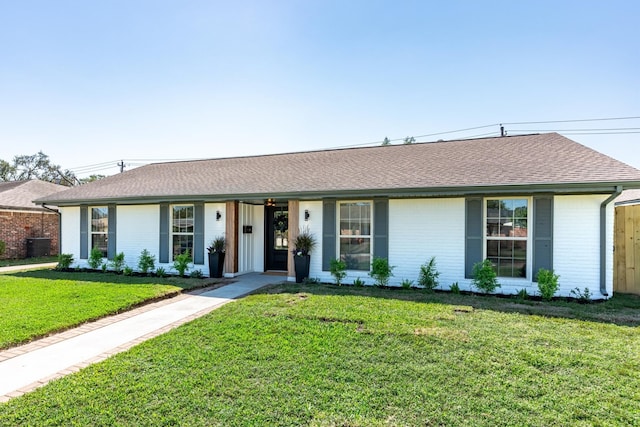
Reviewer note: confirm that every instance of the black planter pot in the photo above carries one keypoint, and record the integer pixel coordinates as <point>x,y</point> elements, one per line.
<point>301,263</point>
<point>216,264</point>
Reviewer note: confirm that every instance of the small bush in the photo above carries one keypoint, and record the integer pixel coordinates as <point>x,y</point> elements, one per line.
<point>338,269</point>
<point>582,296</point>
<point>358,282</point>
<point>406,283</point>
<point>117,263</point>
<point>547,283</point>
<point>104,267</point>
<point>428,277</point>
<point>181,262</point>
<point>95,258</point>
<point>161,272</point>
<point>3,247</point>
<point>64,261</point>
<point>146,262</point>
<point>522,294</point>
<point>127,271</point>
<point>381,271</point>
<point>196,274</point>
<point>484,277</point>
<point>311,281</point>
<point>454,288</point>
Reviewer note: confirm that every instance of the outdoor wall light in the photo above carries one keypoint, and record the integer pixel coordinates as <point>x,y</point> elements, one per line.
<point>218,215</point>
<point>306,215</point>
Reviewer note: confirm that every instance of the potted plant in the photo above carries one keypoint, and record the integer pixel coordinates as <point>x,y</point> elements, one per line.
<point>216,256</point>
<point>303,244</point>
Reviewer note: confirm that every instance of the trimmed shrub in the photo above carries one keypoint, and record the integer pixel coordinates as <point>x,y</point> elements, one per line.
<point>484,277</point>
<point>547,283</point>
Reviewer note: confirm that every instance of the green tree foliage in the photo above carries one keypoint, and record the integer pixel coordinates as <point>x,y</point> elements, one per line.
<point>35,166</point>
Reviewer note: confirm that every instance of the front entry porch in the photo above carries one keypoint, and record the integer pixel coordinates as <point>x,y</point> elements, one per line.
<point>259,236</point>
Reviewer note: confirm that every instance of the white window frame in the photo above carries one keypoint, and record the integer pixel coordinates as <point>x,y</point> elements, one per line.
<point>97,233</point>
<point>529,238</point>
<point>181,233</point>
<point>341,236</point>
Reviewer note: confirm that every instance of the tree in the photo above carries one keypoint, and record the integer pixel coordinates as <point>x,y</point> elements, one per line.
<point>409,140</point>
<point>386,141</point>
<point>91,178</point>
<point>36,166</point>
<point>6,171</point>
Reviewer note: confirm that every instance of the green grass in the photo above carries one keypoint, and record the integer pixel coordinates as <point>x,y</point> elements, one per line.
<point>328,356</point>
<point>25,261</point>
<point>36,303</point>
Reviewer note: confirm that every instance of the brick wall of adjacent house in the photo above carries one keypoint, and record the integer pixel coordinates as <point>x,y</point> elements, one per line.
<point>18,226</point>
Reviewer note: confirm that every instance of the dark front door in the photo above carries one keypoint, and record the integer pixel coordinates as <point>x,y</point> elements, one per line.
<point>277,237</point>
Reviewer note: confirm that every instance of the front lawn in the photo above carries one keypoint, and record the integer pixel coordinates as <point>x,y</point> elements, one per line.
<point>328,356</point>
<point>36,303</point>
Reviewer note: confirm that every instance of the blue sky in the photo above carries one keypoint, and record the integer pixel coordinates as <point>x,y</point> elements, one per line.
<point>94,82</point>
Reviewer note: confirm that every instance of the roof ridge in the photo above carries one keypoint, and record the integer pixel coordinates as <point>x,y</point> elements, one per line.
<point>327,150</point>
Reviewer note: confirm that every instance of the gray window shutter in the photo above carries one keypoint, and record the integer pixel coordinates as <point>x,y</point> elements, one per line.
<point>163,255</point>
<point>381,228</point>
<point>473,235</point>
<point>198,233</point>
<point>328,233</point>
<point>84,232</point>
<point>542,234</point>
<point>111,240</point>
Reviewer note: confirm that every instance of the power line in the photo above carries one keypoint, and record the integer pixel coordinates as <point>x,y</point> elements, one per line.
<point>574,130</point>
<point>570,121</point>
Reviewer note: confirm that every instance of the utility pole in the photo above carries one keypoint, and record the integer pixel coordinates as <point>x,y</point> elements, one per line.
<point>121,164</point>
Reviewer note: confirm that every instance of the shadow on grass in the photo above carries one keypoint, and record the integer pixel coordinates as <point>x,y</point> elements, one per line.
<point>185,283</point>
<point>621,309</point>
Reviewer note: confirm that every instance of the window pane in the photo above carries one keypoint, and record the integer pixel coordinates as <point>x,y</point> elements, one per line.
<point>280,240</point>
<point>492,248</point>
<point>99,220</point>
<point>99,241</point>
<point>183,219</point>
<point>182,243</point>
<point>356,252</point>
<point>507,218</point>
<point>509,257</point>
<point>355,219</point>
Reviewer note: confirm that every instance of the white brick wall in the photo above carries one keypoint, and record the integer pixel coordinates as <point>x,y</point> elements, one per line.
<point>137,228</point>
<point>70,229</point>
<point>418,229</point>
<point>315,226</point>
<point>212,229</point>
<point>422,228</point>
<point>576,250</point>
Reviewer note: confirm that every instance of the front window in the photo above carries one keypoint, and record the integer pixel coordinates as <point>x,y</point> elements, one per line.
<point>355,235</point>
<point>507,235</point>
<point>182,230</point>
<point>100,229</point>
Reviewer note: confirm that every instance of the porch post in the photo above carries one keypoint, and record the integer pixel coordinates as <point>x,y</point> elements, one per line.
<point>294,223</point>
<point>231,234</point>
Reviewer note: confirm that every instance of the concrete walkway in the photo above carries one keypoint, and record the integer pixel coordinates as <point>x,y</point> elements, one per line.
<point>32,365</point>
<point>14,268</point>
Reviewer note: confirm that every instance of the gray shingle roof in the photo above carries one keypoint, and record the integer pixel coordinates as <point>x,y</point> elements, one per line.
<point>21,194</point>
<point>529,160</point>
<point>628,197</point>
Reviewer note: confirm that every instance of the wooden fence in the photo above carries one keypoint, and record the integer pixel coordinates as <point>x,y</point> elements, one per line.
<point>626,267</point>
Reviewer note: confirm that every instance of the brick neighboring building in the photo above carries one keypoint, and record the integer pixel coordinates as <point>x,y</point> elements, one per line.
<point>21,219</point>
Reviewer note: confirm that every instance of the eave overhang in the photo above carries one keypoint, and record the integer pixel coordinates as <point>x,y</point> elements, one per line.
<point>399,193</point>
